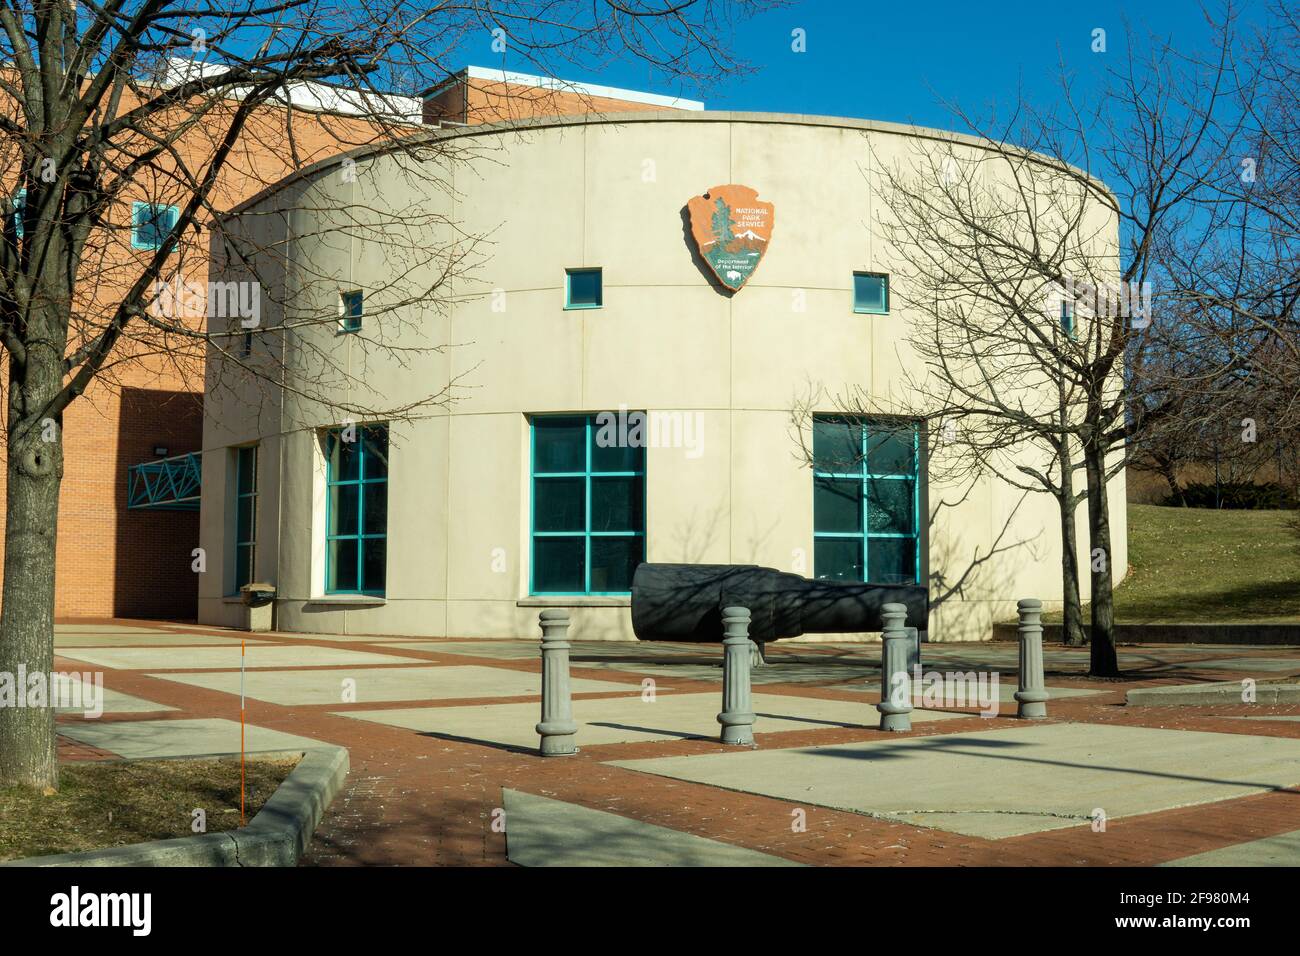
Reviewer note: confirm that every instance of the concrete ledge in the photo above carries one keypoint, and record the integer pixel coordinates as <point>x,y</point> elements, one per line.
<point>1228,692</point>
<point>277,836</point>
<point>1277,634</point>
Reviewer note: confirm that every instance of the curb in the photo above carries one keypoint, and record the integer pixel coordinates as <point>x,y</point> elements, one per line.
<point>1228,692</point>
<point>1278,635</point>
<point>277,836</point>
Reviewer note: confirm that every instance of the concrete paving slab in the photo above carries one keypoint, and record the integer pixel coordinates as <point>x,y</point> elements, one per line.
<point>218,658</point>
<point>545,832</point>
<point>1006,690</point>
<point>1002,783</point>
<point>147,638</point>
<point>340,638</point>
<point>582,652</point>
<point>438,682</point>
<point>1244,664</point>
<point>842,677</point>
<point>104,629</point>
<point>1280,850</point>
<point>1274,717</point>
<point>135,739</point>
<point>1224,692</point>
<point>620,720</point>
<point>498,650</point>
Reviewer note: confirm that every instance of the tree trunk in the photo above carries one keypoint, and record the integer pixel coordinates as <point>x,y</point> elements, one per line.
<point>1072,609</point>
<point>1103,660</point>
<point>35,469</point>
<point>1171,478</point>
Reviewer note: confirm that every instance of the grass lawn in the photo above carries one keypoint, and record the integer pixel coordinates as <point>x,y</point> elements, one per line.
<point>102,804</point>
<point>1199,564</point>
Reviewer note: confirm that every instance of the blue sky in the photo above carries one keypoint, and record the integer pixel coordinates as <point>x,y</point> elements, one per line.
<point>894,60</point>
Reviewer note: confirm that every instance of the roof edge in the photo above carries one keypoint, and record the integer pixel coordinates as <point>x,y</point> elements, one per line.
<point>652,116</point>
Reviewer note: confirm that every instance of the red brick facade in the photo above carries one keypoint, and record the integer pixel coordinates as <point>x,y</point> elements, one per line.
<point>118,562</point>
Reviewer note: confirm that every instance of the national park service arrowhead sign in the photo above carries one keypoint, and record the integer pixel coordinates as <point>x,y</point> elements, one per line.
<point>732,229</point>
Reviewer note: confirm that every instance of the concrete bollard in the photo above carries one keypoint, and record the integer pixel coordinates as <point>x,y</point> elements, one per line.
<point>737,717</point>
<point>913,650</point>
<point>557,728</point>
<point>757,654</point>
<point>1032,694</point>
<point>895,679</point>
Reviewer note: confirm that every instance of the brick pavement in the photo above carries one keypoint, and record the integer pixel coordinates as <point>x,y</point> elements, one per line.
<point>414,798</point>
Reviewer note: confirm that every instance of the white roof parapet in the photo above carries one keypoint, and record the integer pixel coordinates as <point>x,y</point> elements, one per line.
<point>311,95</point>
<point>584,89</point>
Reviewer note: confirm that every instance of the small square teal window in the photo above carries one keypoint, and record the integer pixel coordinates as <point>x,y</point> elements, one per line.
<point>582,289</point>
<point>353,306</point>
<point>20,200</point>
<point>1067,318</point>
<point>871,293</point>
<point>151,223</point>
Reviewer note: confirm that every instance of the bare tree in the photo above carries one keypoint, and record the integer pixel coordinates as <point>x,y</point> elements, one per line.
<point>1036,269</point>
<point>123,117</point>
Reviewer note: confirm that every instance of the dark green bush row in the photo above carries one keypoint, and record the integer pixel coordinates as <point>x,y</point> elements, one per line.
<point>1201,495</point>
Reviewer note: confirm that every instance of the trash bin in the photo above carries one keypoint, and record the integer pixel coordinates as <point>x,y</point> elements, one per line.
<point>259,599</point>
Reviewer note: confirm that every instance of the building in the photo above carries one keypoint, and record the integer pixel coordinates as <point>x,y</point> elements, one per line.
<point>128,513</point>
<point>598,297</point>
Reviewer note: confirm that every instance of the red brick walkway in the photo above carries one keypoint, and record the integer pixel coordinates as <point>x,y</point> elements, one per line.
<point>412,798</point>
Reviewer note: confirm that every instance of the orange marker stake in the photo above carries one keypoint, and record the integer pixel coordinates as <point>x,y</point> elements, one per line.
<point>241,733</point>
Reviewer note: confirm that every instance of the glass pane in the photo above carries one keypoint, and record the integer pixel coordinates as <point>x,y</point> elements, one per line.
<point>837,446</point>
<point>374,559</point>
<point>375,457</point>
<point>559,444</point>
<point>343,509</point>
<point>558,564</point>
<point>342,565</point>
<point>375,512</point>
<point>247,470</point>
<point>616,504</point>
<point>869,293</point>
<point>839,559</point>
<point>243,565</point>
<point>889,506</point>
<point>584,287</point>
<point>892,560</point>
<point>352,305</point>
<point>345,460</point>
<point>559,504</point>
<point>613,560</point>
<point>245,523</point>
<point>618,443</point>
<point>890,450</point>
<point>837,504</point>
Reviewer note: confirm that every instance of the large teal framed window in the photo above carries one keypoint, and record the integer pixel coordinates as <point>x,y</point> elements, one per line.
<point>588,509</point>
<point>866,507</point>
<point>245,515</point>
<point>356,543</point>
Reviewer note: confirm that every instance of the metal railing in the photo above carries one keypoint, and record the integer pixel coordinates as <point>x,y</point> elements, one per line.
<point>167,484</point>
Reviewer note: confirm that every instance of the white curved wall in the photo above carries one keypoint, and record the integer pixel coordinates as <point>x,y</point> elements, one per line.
<point>605,194</point>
